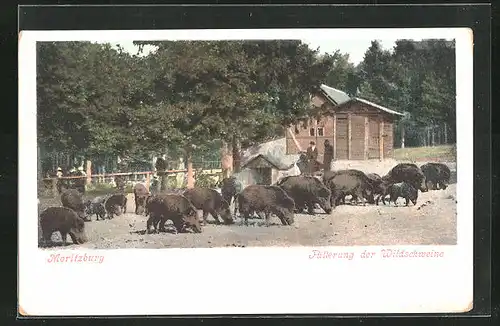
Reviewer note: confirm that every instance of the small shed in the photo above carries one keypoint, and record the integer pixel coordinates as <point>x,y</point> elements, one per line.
<point>357,129</point>
<point>266,170</point>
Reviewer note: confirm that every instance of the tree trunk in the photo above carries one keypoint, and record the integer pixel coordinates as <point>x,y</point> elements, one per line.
<point>428,136</point>
<point>89,172</point>
<point>148,181</point>
<point>189,163</point>
<point>163,180</point>
<point>163,176</point>
<point>445,133</point>
<point>402,136</point>
<point>226,159</point>
<point>236,154</point>
<point>433,136</point>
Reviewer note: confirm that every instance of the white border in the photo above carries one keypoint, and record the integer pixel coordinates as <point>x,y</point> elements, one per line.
<point>243,280</point>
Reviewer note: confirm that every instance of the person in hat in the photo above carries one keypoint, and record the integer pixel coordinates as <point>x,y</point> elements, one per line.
<point>312,156</point>
<point>59,172</point>
<point>328,156</point>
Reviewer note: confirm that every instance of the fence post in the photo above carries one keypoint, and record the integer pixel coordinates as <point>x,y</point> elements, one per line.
<point>349,136</point>
<point>54,187</point>
<point>366,140</point>
<point>89,172</point>
<point>148,180</point>
<point>402,136</point>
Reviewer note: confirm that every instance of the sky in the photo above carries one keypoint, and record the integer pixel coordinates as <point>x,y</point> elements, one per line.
<point>355,48</point>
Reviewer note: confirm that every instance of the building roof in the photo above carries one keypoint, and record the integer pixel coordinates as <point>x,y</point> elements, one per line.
<point>271,161</point>
<point>376,106</point>
<point>273,148</point>
<point>336,96</point>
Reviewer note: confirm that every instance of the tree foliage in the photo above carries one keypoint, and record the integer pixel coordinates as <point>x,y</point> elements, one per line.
<point>187,96</point>
<point>416,77</point>
<point>85,97</point>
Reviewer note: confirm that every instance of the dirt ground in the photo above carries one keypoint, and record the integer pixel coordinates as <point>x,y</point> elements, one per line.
<point>431,222</point>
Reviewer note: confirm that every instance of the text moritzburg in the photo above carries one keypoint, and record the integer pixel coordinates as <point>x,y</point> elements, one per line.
<point>75,258</point>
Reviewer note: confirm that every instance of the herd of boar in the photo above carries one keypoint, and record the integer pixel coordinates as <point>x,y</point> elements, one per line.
<point>290,195</point>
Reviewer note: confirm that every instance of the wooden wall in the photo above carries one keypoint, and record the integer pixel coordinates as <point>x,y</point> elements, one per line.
<point>303,136</point>
<point>341,135</point>
<point>369,131</point>
<point>388,139</point>
<point>357,148</point>
<point>373,144</point>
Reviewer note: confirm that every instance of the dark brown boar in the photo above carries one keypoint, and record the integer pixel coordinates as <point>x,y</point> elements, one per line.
<point>229,188</point>
<point>437,175</point>
<point>176,208</point>
<point>327,175</point>
<point>306,191</point>
<point>402,189</point>
<point>140,196</point>
<point>267,200</point>
<point>354,184</point>
<point>148,200</point>
<point>409,173</point>
<point>72,198</point>
<point>211,202</point>
<point>96,206</point>
<point>361,175</point>
<point>116,204</point>
<point>65,221</point>
<point>379,187</point>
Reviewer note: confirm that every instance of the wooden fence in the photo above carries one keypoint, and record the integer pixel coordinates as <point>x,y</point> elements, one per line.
<point>89,177</point>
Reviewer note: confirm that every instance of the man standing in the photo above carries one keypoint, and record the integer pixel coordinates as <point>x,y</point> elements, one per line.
<point>312,156</point>
<point>328,156</point>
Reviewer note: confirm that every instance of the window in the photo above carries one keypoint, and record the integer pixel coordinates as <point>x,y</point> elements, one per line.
<point>311,132</point>
<point>320,132</point>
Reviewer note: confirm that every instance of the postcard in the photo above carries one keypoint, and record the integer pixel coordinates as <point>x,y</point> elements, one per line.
<point>281,171</point>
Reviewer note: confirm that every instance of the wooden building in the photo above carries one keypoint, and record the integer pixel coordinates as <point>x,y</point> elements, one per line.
<point>356,128</point>
<point>265,170</point>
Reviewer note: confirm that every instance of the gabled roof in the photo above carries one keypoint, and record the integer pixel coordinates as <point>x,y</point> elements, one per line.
<point>334,95</point>
<point>276,164</point>
<point>376,106</point>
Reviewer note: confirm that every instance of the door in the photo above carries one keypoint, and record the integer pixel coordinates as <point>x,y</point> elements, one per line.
<point>341,134</point>
<point>373,139</point>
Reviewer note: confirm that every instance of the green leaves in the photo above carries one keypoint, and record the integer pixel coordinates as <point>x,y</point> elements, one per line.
<point>84,96</point>
<point>98,99</point>
<point>417,77</point>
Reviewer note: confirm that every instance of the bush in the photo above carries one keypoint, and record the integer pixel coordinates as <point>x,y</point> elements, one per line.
<point>205,180</point>
<point>105,188</point>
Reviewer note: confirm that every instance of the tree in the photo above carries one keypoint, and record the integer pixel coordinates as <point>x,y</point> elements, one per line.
<point>377,72</point>
<point>61,96</point>
<point>429,78</point>
<point>342,74</point>
<point>193,89</point>
<point>84,97</point>
<point>234,91</point>
<point>418,77</point>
